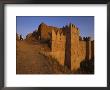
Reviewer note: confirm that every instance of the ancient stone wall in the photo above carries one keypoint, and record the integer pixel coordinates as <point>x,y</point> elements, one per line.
<point>88,47</point>
<point>82,50</point>
<point>45,31</point>
<point>58,46</point>
<point>66,44</point>
<point>75,63</point>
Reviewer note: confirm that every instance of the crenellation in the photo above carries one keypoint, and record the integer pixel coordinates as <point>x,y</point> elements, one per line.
<point>87,38</point>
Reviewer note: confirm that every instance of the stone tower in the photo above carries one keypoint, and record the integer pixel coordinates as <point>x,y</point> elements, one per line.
<point>72,47</point>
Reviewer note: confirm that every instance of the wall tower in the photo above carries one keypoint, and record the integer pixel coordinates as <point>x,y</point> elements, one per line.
<point>72,47</point>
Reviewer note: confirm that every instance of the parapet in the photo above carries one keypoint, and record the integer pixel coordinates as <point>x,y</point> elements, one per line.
<point>70,25</point>
<point>57,34</point>
<point>87,38</point>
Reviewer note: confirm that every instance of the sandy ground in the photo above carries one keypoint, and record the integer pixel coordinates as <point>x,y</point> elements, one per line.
<point>29,61</point>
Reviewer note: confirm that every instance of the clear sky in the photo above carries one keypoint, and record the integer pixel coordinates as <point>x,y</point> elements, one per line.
<point>27,24</point>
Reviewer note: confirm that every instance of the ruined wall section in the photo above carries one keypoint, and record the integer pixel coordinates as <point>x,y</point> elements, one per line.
<point>30,37</point>
<point>45,31</point>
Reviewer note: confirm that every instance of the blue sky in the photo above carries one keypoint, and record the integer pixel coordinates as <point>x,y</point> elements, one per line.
<point>27,24</point>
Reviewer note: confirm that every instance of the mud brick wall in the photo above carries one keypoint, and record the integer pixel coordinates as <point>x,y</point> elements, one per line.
<point>82,50</point>
<point>75,63</point>
<point>66,44</point>
<point>58,46</point>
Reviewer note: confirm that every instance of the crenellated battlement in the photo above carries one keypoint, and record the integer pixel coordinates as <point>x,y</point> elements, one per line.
<point>70,26</point>
<point>87,38</point>
<point>58,35</point>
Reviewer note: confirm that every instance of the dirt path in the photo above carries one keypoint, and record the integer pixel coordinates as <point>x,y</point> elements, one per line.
<point>29,61</point>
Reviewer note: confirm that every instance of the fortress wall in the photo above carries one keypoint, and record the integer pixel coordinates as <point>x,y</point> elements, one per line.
<point>75,63</point>
<point>62,49</point>
<point>59,56</point>
<point>92,49</point>
<point>66,47</point>
<point>82,50</point>
<point>75,52</point>
<point>72,55</point>
<point>58,47</point>
<point>88,50</point>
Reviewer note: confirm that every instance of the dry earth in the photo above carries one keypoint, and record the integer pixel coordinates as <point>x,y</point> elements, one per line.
<point>30,61</point>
